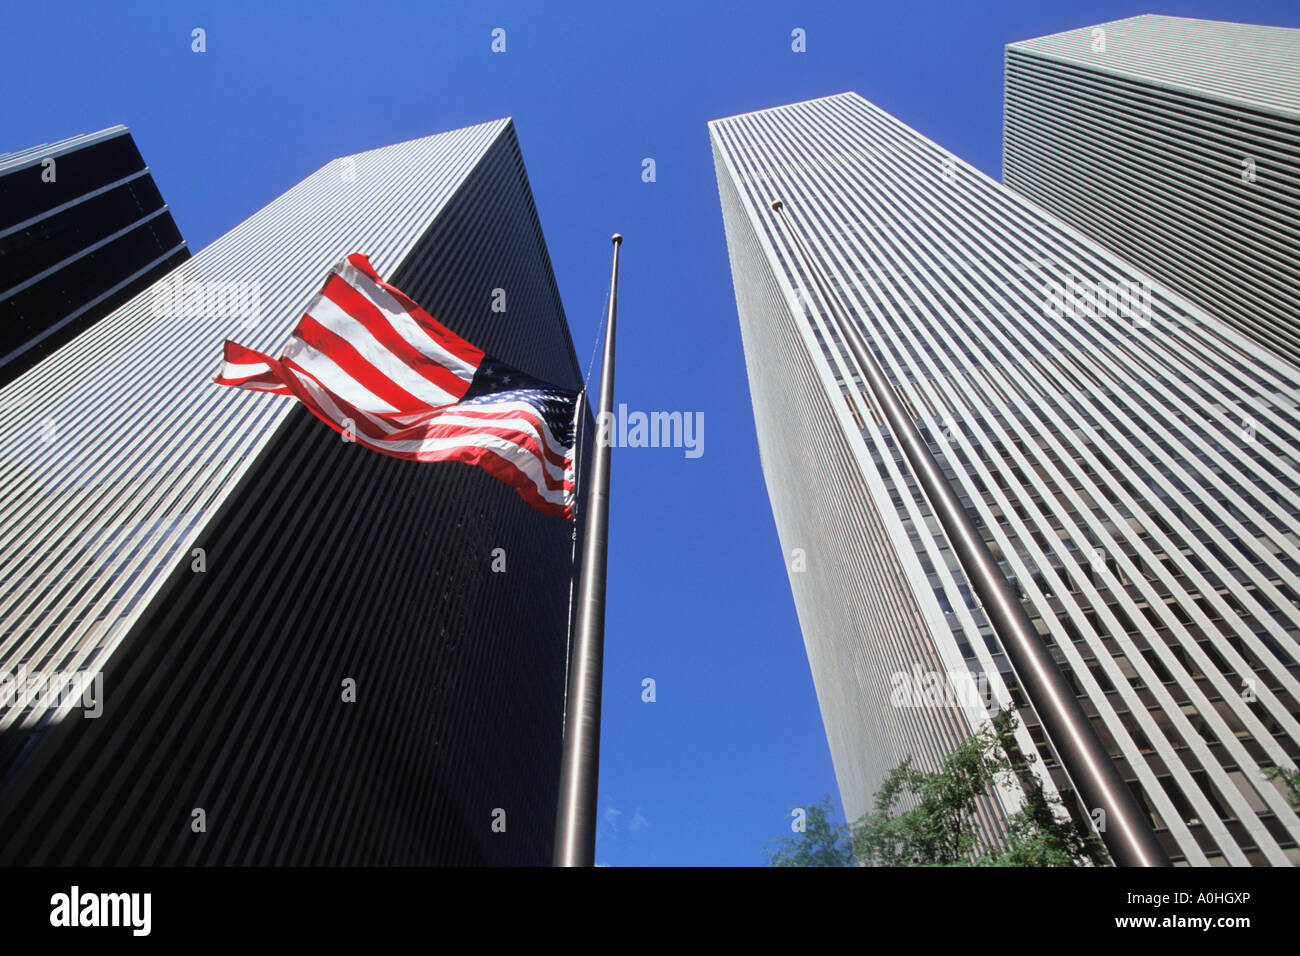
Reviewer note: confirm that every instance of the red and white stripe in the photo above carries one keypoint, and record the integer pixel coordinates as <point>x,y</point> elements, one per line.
<point>373,365</point>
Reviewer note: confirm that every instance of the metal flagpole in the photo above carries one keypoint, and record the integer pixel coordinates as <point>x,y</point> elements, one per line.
<point>578,515</point>
<point>1126,832</point>
<point>575,818</point>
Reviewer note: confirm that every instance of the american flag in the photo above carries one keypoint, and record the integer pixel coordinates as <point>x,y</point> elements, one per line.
<point>372,364</point>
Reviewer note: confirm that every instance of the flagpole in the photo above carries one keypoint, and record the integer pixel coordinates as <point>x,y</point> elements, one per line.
<point>1127,832</point>
<point>575,818</point>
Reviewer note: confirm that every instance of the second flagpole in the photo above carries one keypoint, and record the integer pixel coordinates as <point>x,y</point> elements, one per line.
<point>575,817</point>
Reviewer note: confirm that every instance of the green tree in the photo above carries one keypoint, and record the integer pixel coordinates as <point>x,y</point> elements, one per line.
<point>1290,780</point>
<point>1037,837</point>
<point>928,819</point>
<point>823,841</point>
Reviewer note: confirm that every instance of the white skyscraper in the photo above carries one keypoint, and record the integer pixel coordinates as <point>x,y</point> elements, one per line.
<point>1131,461</point>
<point>1175,143</point>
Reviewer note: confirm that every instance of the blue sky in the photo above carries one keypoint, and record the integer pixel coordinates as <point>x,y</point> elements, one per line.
<point>698,597</point>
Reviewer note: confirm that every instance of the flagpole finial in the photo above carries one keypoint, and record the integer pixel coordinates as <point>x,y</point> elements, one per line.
<point>777,205</point>
<point>618,239</point>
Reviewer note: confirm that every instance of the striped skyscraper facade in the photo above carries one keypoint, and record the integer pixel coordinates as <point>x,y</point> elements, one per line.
<point>1175,143</point>
<point>309,652</point>
<point>1130,460</point>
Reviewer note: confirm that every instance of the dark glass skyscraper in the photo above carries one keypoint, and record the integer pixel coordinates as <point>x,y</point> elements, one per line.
<point>310,652</point>
<point>83,228</point>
